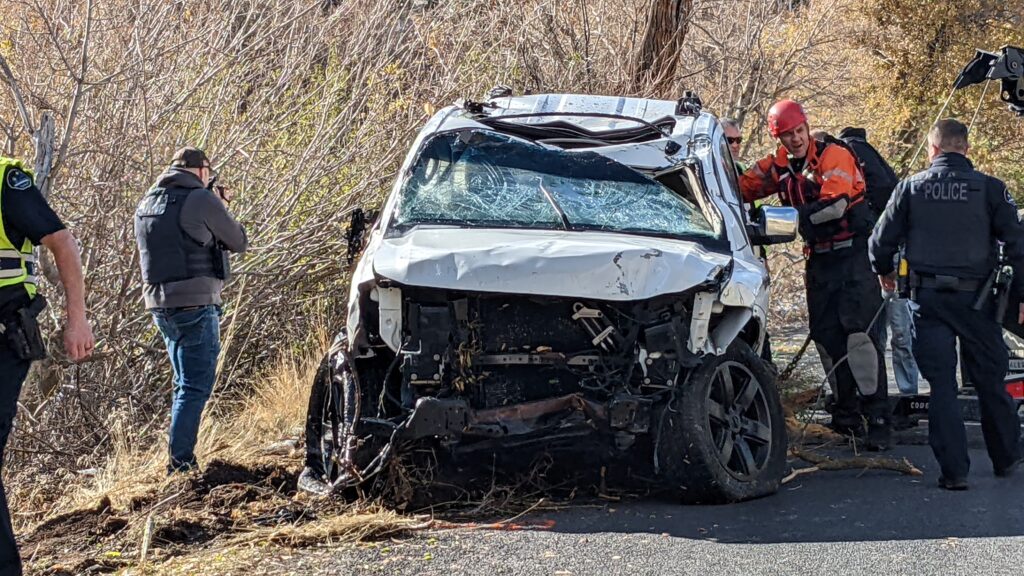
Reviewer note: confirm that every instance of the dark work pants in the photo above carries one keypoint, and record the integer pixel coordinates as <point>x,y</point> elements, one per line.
<point>843,296</point>
<point>12,374</point>
<point>941,318</point>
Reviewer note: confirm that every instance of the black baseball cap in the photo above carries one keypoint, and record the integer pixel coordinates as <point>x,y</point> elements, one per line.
<point>189,157</point>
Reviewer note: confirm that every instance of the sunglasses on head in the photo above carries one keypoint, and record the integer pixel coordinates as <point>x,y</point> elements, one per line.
<point>735,140</point>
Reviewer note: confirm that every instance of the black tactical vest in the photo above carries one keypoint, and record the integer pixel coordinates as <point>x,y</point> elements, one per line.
<point>950,230</point>
<point>167,253</point>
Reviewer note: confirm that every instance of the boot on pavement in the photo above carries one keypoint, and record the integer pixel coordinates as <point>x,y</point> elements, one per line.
<point>879,434</point>
<point>847,423</point>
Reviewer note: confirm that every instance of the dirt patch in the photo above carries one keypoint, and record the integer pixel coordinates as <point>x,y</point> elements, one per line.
<point>80,529</point>
<point>186,512</point>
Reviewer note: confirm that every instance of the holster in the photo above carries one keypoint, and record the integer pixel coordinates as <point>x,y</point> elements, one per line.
<point>221,263</point>
<point>22,333</point>
<point>1002,301</point>
<point>902,278</point>
<point>1003,283</point>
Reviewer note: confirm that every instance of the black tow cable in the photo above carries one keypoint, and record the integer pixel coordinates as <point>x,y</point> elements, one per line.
<point>787,372</point>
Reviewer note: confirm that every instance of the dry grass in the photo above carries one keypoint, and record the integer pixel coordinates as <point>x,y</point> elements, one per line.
<point>236,430</point>
<point>354,525</point>
<point>241,501</point>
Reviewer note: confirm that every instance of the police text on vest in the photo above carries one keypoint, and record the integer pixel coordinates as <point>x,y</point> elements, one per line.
<point>945,191</point>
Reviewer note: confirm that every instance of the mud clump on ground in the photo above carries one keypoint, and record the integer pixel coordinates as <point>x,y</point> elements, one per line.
<point>229,503</point>
<point>187,511</point>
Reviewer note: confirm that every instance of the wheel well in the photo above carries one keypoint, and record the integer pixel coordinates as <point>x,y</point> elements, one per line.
<point>751,333</point>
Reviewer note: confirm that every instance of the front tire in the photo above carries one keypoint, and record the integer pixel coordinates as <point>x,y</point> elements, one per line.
<point>723,435</point>
<point>323,425</point>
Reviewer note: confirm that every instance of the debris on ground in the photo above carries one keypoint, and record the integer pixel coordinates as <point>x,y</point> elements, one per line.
<point>822,462</point>
<point>223,505</point>
<point>229,504</point>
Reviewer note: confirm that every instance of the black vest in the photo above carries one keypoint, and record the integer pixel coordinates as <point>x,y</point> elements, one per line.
<point>167,253</point>
<point>950,228</point>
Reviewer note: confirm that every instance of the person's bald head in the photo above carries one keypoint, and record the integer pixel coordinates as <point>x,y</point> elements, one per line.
<point>947,135</point>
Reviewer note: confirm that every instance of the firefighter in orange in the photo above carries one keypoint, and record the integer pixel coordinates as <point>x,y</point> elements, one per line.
<point>824,183</point>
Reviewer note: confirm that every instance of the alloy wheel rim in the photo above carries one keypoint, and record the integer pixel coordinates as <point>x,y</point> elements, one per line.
<point>738,420</point>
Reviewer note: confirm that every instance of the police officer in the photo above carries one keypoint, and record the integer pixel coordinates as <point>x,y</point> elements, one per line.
<point>26,220</point>
<point>823,182</point>
<point>949,218</point>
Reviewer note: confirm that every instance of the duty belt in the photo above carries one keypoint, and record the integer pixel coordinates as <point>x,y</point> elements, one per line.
<point>825,247</point>
<point>940,282</point>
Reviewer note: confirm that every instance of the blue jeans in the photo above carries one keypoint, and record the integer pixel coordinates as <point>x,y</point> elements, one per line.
<point>192,337</point>
<point>901,321</point>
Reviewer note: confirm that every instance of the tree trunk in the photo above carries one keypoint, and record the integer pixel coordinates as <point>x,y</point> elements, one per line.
<point>43,139</point>
<point>654,65</point>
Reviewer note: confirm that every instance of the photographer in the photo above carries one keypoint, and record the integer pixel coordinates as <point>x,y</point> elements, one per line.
<point>184,230</point>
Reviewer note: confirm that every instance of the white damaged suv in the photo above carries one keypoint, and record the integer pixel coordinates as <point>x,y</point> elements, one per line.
<point>560,272</point>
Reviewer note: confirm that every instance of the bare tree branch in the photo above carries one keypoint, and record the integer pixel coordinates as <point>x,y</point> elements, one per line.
<point>19,100</point>
<point>76,99</point>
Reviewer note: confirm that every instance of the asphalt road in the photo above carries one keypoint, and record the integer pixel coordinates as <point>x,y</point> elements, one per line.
<point>822,524</point>
<point>826,523</point>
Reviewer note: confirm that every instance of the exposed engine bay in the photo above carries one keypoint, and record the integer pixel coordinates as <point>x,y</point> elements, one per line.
<point>489,372</point>
<point>472,356</point>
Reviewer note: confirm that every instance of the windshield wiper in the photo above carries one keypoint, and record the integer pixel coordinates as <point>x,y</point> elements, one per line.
<point>558,209</point>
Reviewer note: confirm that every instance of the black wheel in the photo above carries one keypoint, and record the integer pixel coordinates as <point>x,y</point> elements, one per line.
<point>323,424</point>
<point>723,436</point>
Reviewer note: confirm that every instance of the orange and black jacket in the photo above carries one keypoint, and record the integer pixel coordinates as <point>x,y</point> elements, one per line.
<point>828,191</point>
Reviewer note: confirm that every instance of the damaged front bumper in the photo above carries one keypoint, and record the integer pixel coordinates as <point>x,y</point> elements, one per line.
<point>464,428</point>
<point>553,422</point>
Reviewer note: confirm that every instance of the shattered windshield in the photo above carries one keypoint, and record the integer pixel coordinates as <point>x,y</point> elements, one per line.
<point>486,179</point>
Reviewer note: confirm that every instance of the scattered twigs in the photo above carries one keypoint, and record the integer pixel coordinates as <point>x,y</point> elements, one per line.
<point>821,462</point>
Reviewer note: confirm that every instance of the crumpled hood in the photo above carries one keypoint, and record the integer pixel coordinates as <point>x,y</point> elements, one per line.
<point>598,265</point>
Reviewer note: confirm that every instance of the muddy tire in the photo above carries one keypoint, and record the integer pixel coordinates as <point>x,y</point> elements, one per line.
<point>323,424</point>
<point>723,436</point>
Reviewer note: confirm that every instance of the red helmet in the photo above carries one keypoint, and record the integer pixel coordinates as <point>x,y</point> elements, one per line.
<point>785,115</point>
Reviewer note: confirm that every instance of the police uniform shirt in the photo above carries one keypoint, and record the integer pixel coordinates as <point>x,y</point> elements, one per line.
<point>949,217</point>
<point>25,215</point>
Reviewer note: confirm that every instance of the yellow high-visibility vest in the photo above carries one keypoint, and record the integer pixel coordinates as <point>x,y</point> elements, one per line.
<point>17,263</point>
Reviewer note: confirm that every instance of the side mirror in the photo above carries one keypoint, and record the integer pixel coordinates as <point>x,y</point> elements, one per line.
<point>359,222</point>
<point>774,225</point>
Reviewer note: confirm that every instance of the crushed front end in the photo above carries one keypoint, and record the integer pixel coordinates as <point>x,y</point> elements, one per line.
<point>496,371</point>
<point>478,374</point>
<point>537,285</point>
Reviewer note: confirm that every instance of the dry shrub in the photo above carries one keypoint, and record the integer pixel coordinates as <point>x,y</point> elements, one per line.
<point>308,108</point>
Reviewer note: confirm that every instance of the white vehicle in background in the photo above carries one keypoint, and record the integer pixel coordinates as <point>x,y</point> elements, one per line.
<point>554,273</point>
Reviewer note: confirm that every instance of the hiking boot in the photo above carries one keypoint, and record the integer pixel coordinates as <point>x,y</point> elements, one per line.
<point>952,483</point>
<point>847,424</point>
<point>1009,469</point>
<point>879,433</point>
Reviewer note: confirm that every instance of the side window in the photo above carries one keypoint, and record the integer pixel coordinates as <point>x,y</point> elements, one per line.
<point>729,168</point>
